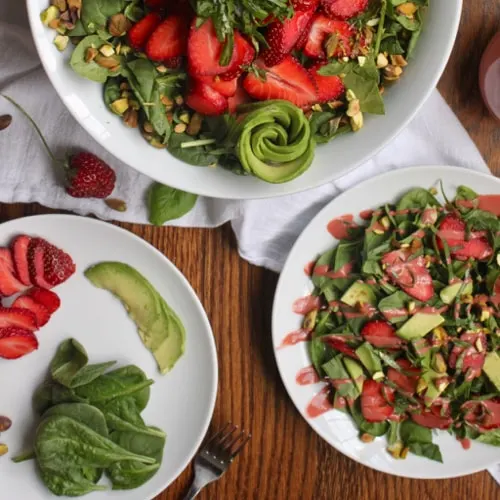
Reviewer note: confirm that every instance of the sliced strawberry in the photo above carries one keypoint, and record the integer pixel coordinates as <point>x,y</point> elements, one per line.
<point>381,334</point>
<point>321,28</point>
<point>452,229</point>
<point>173,62</point>
<point>473,361</point>
<point>409,273</point>
<point>288,80</point>
<point>340,345</point>
<point>343,9</point>
<point>47,298</point>
<point>205,100</point>
<point>155,4</point>
<point>281,36</point>
<point>49,266</point>
<point>329,87</point>
<point>483,414</point>
<point>19,249</point>
<point>9,284</point>
<point>374,405</point>
<point>16,342</point>
<point>168,40</point>
<point>140,32</point>
<point>429,419</point>
<point>204,51</point>
<point>14,316</point>
<point>407,381</point>
<point>304,4</point>
<point>41,313</point>
<point>241,97</point>
<point>225,87</point>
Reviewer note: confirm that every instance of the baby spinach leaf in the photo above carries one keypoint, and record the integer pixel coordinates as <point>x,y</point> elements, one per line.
<point>69,359</point>
<point>324,260</point>
<point>90,70</point>
<point>84,413</point>
<point>419,440</point>
<point>417,198</point>
<point>118,424</point>
<point>171,83</point>
<point>68,482</point>
<point>482,220</point>
<point>134,11</point>
<point>63,443</point>
<point>374,429</point>
<point>124,408</point>
<point>427,450</point>
<point>95,13</point>
<point>320,354</point>
<point>194,155</point>
<point>490,437</point>
<point>111,91</point>
<point>90,372</point>
<point>397,301</point>
<point>166,203</point>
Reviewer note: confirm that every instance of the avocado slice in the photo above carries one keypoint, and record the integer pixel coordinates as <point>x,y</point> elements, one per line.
<point>492,368</point>
<point>159,327</point>
<point>449,293</point>
<point>370,360</point>
<point>419,325</point>
<point>359,293</point>
<point>355,370</point>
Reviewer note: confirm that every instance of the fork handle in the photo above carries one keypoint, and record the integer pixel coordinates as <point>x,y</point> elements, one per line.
<point>194,490</point>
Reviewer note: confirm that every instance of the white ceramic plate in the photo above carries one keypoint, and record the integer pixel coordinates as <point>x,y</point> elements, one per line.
<point>334,426</point>
<point>182,401</point>
<point>84,100</point>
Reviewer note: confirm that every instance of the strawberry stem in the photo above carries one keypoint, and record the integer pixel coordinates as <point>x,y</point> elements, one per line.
<point>39,132</point>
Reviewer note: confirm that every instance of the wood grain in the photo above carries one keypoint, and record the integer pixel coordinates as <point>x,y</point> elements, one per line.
<point>285,459</point>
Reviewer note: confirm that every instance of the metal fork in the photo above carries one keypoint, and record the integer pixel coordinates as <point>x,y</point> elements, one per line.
<point>215,456</point>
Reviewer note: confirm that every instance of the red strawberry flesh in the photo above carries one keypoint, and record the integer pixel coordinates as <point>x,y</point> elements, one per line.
<point>374,406</point>
<point>205,100</point>
<point>168,40</point>
<point>47,298</point>
<point>20,256</point>
<point>343,9</point>
<point>381,334</point>
<point>9,284</point>
<point>15,316</point>
<point>140,32</point>
<point>41,313</point>
<point>329,87</point>
<point>225,87</point>
<point>16,342</point>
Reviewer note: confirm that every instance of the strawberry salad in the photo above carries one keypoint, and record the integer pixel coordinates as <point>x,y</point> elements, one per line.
<point>403,321</point>
<point>250,86</point>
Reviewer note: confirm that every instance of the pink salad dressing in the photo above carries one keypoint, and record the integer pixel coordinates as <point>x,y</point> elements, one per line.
<point>340,226</point>
<point>307,376</point>
<point>306,304</point>
<point>320,403</point>
<point>300,335</point>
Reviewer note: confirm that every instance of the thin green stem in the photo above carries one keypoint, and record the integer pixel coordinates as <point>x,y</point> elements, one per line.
<point>194,144</point>
<point>380,30</point>
<point>39,132</point>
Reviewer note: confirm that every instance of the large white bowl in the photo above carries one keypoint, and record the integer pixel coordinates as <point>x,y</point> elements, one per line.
<point>84,100</point>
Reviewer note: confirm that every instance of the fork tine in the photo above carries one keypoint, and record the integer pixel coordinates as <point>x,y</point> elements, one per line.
<point>241,445</point>
<point>216,436</point>
<point>228,446</point>
<point>228,435</point>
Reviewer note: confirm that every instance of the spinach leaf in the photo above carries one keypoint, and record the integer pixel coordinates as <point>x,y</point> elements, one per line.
<point>171,83</point>
<point>197,155</point>
<point>417,198</point>
<point>63,443</point>
<point>90,70</point>
<point>84,413</point>
<point>95,13</point>
<point>51,393</point>
<point>134,11</point>
<point>482,220</point>
<point>374,429</point>
<point>398,301</point>
<point>125,408</point>
<point>69,482</point>
<point>128,475</point>
<point>325,126</point>
<point>465,193</point>
<point>419,440</point>
<point>69,359</point>
<point>335,370</point>
<point>118,424</point>
<point>111,91</point>
<point>166,203</point>
<point>427,450</point>
<point>325,259</point>
<point>490,437</point>
<point>90,372</point>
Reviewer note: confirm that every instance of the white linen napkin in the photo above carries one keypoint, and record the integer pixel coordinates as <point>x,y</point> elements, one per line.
<point>265,229</point>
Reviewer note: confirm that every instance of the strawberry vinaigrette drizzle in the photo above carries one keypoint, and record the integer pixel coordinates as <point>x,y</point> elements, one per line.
<point>307,376</point>
<point>320,403</point>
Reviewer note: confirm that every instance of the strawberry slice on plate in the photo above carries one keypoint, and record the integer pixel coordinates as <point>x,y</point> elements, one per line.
<point>140,32</point>
<point>431,420</point>
<point>15,316</point>
<point>19,249</point>
<point>305,4</point>
<point>225,87</point>
<point>343,9</point>
<point>374,405</point>
<point>9,284</point>
<point>205,100</point>
<point>337,34</point>
<point>381,334</point>
<point>240,97</point>
<point>49,266</point>
<point>168,39</point>
<point>41,313</point>
<point>329,87</point>
<point>281,37</point>
<point>47,298</point>
<point>407,381</point>
<point>16,342</point>
<point>287,80</point>
<point>484,415</point>
<point>204,51</point>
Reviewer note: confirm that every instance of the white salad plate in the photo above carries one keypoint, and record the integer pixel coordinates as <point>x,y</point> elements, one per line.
<point>334,426</point>
<point>182,401</point>
<point>84,100</point>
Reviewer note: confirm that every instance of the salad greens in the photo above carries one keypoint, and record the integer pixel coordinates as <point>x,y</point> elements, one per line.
<point>406,333</point>
<point>91,424</point>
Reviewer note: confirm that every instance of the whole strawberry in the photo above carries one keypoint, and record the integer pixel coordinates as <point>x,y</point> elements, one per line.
<point>89,177</point>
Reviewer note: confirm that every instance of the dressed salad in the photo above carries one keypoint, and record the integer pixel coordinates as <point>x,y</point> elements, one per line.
<point>403,320</point>
<point>250,86</point>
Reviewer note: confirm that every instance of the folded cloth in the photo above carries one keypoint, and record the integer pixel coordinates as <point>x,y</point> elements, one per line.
<point>265,229</point>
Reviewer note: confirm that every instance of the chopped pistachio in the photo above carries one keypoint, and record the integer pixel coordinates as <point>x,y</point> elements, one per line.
<point>386,223</point>
<point>156,143</point>
<point>107,50</point>
<point>367,438</point>
<point>421,385</point>
<point>335,104</point>
<point>378,231</point>
<point>353,108</point>
<point>441,383</point>
<point>398,60</point>
<point>185,118</point>
<point>131,117</point>
<point>91,54</point>
<point>147,127</point>
<point>361,60</point>
<point>395,449</point>
<point>134,104</point>
<point>382,61</point>
<point>378,376</point>
<point>350,95</point>
<point>3,449</point>
<point>116,204</point>
<point>310,320</point>
<point>316,107</point>
<point>438,363</point>
<point>49,14</point>
<point>411,306</point>
<point>405,245</point>
<point>373,22</point>
<point>179,100</point>
<point>404,453</point>
<point>180,128</point>
<point>120,106</point>
<point>407,9</point>
<point>195,124</point>
<point>479,345</point>
<point>61,42</point>
<point>161,68</point>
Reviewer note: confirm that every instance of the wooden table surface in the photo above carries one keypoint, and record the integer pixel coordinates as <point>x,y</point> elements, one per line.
<point>285,458</point>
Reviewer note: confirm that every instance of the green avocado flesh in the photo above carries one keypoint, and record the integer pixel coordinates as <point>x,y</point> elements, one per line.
<point>492,368</point>
<point>359,293</point>
<point>355,371</point>
<point>419,325</point>
<point>159,327</point>
<point>449,293</point>
<point>370,360</point>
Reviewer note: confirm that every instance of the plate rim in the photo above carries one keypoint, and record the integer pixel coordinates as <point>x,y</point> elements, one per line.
<point>443,169</point>
<point>281,189</point>
<point>199,306</point>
